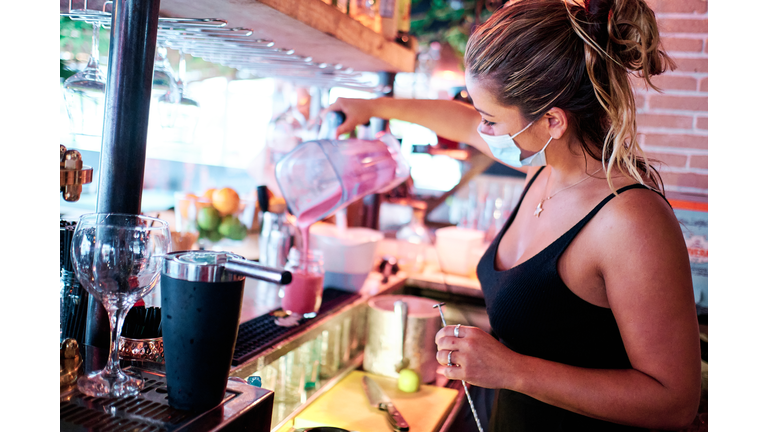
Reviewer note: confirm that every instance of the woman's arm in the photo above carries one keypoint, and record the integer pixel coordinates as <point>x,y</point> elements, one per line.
<point>643,260</point>
<point>449,119</point>
<point>452,120</point>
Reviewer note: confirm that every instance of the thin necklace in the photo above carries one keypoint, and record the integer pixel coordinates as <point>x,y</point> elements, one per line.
<point>539,208</point>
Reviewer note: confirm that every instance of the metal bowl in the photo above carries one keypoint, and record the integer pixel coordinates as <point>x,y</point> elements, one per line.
<point>142,349</point>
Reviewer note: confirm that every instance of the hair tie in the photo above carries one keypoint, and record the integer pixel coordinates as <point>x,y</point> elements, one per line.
<point>598,16</point>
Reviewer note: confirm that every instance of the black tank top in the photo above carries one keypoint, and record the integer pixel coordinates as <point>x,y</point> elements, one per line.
<point>533,312</point>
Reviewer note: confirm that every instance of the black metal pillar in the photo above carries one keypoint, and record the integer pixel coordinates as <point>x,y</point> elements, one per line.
<point>126,117</point>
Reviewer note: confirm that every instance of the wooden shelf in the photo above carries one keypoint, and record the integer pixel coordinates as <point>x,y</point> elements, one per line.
<point>310,27</point>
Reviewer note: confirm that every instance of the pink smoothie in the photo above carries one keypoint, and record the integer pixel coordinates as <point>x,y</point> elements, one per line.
<point>304,294</point>
<point>365,167</point>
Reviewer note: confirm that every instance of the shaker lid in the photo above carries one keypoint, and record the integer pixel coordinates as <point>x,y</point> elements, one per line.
<point>200,266</point>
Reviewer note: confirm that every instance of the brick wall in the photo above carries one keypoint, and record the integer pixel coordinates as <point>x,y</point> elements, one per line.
<point>672,125</point>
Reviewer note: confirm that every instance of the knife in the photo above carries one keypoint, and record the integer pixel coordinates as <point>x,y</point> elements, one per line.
<point>379,399</point>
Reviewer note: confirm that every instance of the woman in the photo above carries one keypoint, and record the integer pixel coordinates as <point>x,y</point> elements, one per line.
<point>588,286</point>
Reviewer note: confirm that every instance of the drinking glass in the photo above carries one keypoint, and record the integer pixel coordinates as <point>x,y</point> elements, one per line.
<point>117,258</point>
<point>84,93</point>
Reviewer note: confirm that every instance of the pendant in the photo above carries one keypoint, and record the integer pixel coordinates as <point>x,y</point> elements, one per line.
<point>538,210</point>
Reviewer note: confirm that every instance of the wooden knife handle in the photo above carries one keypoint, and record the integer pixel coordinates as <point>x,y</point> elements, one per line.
<point>397,420</point>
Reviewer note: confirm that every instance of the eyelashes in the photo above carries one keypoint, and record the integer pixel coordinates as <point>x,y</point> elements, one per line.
<point>487,123</point>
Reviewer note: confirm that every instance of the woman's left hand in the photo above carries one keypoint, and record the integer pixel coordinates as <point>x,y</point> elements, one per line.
<point>477,357</point>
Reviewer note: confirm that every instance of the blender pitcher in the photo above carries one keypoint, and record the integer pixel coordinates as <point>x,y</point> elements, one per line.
<point>318,178</point>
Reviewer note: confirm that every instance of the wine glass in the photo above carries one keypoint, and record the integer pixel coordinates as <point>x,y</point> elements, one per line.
<point>117,258</point>
<point>84,93</point>
<point>188,109</point>
<point>165,91</point>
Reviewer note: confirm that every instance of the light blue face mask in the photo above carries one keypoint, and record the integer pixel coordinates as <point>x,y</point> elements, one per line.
<point>504,149</point>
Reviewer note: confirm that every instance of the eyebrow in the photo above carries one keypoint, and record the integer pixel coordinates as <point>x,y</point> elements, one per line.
<point>482,112</point>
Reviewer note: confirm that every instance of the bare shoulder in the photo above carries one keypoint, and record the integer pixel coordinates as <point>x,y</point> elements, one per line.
<point>638,212</point>
<point>641,240</point>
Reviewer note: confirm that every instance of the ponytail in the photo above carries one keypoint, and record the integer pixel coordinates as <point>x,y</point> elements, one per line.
<point>621,37</point>
<point>555,53</point>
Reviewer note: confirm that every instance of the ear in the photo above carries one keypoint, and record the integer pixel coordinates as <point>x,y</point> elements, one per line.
<point>557,122</point>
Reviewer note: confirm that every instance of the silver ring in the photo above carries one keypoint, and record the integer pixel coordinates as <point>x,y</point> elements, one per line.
<point>456,330</point>
<point>450,363</point>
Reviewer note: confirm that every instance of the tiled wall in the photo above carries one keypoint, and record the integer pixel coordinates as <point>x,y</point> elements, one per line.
<point>673,124</point>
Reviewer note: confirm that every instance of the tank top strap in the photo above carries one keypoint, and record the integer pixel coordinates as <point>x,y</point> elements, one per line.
<point>517,207</point>
<point>566,238</point>
<point>528,186</point>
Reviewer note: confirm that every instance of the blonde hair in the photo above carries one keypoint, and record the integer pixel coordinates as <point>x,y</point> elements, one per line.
<point>541,54</point>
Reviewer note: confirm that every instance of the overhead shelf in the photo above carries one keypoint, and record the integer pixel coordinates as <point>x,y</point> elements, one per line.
<point>310,27</point>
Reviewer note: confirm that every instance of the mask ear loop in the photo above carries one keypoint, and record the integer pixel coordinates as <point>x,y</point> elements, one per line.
<point>523,130</point>
<point>545,145</point>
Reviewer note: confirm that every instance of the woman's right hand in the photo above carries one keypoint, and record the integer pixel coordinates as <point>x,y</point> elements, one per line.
<point>356,111</point>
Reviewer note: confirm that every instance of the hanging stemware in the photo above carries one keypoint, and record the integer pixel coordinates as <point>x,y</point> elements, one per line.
<point>165,91</point>
<point>84,93</point>
<point>188,109</point>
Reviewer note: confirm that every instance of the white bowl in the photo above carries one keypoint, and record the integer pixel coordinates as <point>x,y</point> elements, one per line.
<point>348,255</point>
<point>454,249</point>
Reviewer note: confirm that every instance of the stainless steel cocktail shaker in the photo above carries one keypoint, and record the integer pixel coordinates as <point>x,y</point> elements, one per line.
<point>201,301</point>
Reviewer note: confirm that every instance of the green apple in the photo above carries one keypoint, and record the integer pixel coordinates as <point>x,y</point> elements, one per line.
<point>208,218</point>
<point>408,381</point>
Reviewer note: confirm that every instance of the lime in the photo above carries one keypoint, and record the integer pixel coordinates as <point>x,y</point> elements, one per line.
<point>408,381</point>
<point>240,232</point>
<point>231,227</point>
<point>212,236</point>
<point>228,226</point>
<point>208,218</point>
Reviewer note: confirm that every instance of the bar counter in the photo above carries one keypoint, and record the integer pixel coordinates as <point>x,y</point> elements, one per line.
<point>339,332</point>
<point>260,299</point>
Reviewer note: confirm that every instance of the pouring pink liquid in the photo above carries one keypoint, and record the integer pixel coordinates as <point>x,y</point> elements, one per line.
<point>304,294</point>
<point>375,170</point>
<point>319,178</point>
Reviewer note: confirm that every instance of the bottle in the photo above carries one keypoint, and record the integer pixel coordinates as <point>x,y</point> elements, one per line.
<point>403,16</point>
<point>342,5</point>
<point>366,11</point>
<point>388,13</point>
<point>304,294</point>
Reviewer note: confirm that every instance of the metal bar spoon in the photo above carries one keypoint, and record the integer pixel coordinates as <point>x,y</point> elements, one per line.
<point>439,307</point>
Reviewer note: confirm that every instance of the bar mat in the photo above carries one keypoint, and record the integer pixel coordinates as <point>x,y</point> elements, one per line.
<point>243,407</point>
<point>148,411</point>
<point>260,333</point>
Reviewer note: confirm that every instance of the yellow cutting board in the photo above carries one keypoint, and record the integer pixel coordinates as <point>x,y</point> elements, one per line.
<point>346,406</point>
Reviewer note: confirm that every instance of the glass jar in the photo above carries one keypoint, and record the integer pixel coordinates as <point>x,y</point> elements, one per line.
<point>305,292</point>
<point>413,241</point>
